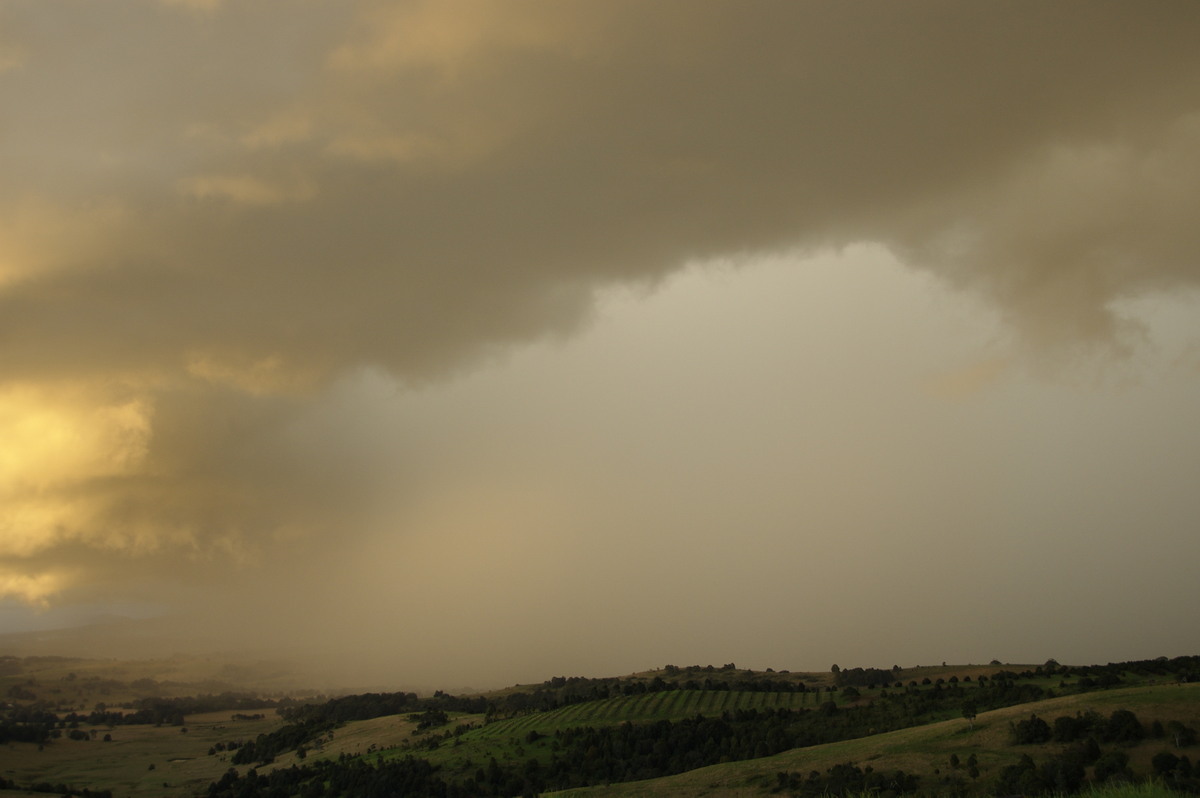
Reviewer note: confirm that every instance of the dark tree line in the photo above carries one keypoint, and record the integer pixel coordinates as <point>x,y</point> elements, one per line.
<point>408,776</point>
<point>25,731</point>
<point>54,789</point>
<point>1065,773</point>
<point>846,779</point>
<point>1176,772</point>
<point>1122,726</point>
<point>310,721</point>
<point>863,677</point>
<point>1181,669</point>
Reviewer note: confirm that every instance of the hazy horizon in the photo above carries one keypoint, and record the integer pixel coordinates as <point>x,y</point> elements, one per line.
<point>473,343</point>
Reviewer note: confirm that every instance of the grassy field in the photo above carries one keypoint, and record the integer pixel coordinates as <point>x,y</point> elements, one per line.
<point>181,764</point>
<point>139,760</point>
<point>1131,791</point>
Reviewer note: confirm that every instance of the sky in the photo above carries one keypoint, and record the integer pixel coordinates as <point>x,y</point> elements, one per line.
<point>471,343</point>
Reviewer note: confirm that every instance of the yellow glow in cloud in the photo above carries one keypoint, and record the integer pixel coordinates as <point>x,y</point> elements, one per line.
<point>256,376</point>
<point>450,42</point>
<point>446,34</point>
<point>487,531</point>
<point>53,443</point>
<point>31,588</point>
<point>247,189</point>
<point>399,148</point>
<point>38,236</point>
<point>194,5</point>
<point>453,148</point>
<point>32,523</point>
<point>963,383</point>
<point>48,438</point>
<point>282,128</point>
<point>11,58</point>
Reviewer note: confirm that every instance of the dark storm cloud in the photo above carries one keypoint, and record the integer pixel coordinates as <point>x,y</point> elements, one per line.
<point>213,209</point>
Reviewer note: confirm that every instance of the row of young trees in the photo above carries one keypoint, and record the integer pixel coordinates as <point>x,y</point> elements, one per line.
<point>1122,726</point>
<point>1065,772</point>
<point>846,779</point>
<point>54,789</point>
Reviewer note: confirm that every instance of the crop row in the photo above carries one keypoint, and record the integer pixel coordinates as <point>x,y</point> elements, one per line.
<point>667,705</point>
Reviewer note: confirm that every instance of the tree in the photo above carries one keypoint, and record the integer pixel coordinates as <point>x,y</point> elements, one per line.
<point>1112,766</point>
<point>1182,735</point>
<point>1164,762</point>
<point>968,712</point>
<point>1033,730</point>
<point>1123,727</point>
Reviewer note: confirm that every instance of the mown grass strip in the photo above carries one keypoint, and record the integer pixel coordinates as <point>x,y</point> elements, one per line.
<point>674,704</point>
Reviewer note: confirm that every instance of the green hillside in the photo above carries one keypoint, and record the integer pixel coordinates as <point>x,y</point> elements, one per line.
<point>926,750</point>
